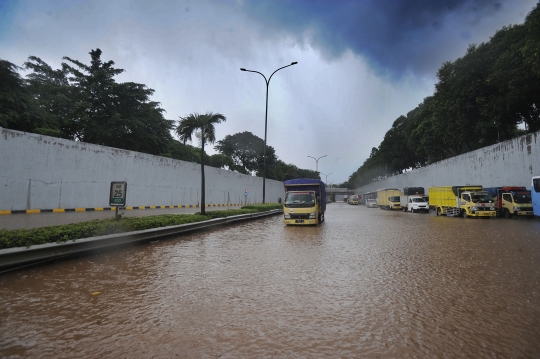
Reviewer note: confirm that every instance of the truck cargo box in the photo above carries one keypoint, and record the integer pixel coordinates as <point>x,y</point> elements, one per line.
<point>409,191</point>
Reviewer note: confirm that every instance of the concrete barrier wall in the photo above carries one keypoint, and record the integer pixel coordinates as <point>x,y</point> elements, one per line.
<point>41,172</point>
<point>510,163</point>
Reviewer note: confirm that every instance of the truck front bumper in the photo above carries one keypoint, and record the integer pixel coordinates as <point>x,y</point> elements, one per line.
<point>484,214</point>
<point>524,213</point>
<point>301,222</point>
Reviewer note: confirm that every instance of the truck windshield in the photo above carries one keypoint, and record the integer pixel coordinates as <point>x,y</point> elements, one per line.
<point>394,199</point>
<point>418,200</point>
<point>299,199</point>
<point>481,197</point>
<point>522,198</point>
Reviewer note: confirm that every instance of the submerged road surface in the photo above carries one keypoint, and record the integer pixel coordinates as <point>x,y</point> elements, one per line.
<point>366,283</point>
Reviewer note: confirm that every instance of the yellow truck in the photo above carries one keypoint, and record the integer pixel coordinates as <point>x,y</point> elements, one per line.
<point>389,198</point>
<point>305,201</point>
<point>512,201</point>
<point>462,201</point>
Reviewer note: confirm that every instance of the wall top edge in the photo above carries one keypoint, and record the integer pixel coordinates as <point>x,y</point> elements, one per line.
<point>8,134</point>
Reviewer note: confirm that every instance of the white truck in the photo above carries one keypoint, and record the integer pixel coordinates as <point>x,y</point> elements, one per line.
<point>414,200</point>
<point>414,203</point>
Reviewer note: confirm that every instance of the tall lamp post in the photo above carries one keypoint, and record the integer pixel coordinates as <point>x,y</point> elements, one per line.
<point>266,120</point>
<point>326,182</point>
<point>317,162</point>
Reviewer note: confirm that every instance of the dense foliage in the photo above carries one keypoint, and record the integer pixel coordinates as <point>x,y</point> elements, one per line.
<point>480,99</point>
<point>84,103</point>
<point>19,110</point>
<point>247,153</point>
<point>74,231</point>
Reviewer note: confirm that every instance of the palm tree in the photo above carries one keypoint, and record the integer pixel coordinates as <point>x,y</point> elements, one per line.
<point>203,128</point>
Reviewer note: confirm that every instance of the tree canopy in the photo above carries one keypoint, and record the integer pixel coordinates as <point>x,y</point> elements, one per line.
<point>84,103</point>
<point>247,151</point>
<point>480,99</point>
<point>19,110</point>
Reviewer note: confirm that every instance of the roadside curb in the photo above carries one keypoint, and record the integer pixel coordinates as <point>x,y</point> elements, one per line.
<point>12,258</point>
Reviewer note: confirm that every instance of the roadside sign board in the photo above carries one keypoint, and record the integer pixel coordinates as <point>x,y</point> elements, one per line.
<point>117,196</point>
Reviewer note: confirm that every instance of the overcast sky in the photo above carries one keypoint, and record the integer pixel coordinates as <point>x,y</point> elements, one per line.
<point>361,63</point>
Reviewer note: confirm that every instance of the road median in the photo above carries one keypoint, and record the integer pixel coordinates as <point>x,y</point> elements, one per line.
<point>17,257</point>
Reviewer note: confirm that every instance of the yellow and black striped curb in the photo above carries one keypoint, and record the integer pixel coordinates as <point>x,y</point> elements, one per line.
<point>128,208</point>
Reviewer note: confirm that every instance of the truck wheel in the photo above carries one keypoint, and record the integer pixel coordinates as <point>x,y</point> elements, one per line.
<point>404,209</point>
<point>438,211</point>
<point>463,213</point>
<point>412,210</point>
<point>507,213</point>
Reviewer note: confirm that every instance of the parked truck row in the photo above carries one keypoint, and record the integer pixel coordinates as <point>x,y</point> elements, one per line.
<point>462,201</point>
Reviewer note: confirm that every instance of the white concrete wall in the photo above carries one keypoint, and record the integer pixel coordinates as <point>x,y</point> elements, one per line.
<point>41,172</point>
<point>510,163</point>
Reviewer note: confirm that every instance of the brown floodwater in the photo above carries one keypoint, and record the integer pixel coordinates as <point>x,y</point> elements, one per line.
<point>367,283</point>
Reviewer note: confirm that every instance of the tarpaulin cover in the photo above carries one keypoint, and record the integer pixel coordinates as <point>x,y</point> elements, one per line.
<point>305,184</point>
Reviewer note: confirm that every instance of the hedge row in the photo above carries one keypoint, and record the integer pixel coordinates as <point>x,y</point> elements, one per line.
<point>99,227</point>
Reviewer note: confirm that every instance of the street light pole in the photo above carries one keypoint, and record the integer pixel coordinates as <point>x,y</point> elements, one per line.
<point>266,121</point>
<point>317,162</point>
<point>325,182</point>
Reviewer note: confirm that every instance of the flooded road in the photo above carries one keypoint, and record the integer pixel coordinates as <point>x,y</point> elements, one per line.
<point>366,283</point>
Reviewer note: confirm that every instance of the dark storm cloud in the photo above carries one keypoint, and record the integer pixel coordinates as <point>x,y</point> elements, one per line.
<point>394,36</point>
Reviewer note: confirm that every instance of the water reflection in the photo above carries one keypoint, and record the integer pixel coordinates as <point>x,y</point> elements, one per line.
<point>367,283</point>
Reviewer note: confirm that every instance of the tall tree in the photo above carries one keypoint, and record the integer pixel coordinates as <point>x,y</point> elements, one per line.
<point>95,113</point>
<point>203,127</point>
<point>112,114</point>
<point>247,151</point>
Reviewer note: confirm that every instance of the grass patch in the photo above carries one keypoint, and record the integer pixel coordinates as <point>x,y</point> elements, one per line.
<point>244,210</point>
<point>99,227</point>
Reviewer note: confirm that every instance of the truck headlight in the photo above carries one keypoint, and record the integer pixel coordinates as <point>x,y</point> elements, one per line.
<point>517,209</point>
<point>474,209</point>
<point>492,208</point>
<point>287,215</point>
<point>313,215</point>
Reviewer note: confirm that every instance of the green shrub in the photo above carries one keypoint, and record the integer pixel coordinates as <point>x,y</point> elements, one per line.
<point>264,207</point>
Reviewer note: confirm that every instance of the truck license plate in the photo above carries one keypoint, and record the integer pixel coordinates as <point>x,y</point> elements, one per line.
<point>299,221</point>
